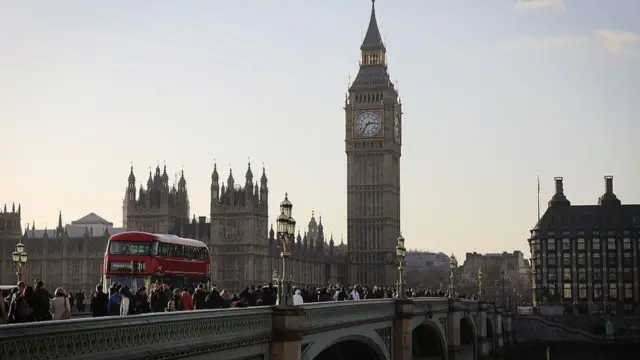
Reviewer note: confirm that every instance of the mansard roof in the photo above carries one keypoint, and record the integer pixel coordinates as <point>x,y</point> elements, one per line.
<point>92,219</point>
<point>589,218</point>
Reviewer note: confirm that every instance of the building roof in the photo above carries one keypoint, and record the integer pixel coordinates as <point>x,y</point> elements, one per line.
<point>609,214</point>
<point>92,219</point>
<point>92,224</point>
<point>372,39</point>
<point>372,76</point>
<point>73,231</point>
<point>589,218</point>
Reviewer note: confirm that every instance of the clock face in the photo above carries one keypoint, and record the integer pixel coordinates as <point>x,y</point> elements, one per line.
<point>368,123</point>
<point>396,127</point>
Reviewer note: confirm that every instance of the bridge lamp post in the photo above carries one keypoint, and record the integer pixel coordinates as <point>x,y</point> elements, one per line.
<point>453,263</point>
<point>480,284</point>
<point>286,229</point>
<point>19,258</point>
<point>401,253</point>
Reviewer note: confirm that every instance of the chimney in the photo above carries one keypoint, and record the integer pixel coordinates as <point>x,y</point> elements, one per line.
<point>559,198</point>
<point>608,184</point>
<point>559,187</point>
<point>608,198</point>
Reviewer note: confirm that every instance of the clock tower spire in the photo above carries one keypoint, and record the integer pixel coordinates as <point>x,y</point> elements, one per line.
<point>373,117</point>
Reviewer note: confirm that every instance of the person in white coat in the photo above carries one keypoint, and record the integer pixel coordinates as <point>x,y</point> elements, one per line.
<point>355,295</point>
<point>297,298</point>
<point>124,303</point>
<point>60,307</point>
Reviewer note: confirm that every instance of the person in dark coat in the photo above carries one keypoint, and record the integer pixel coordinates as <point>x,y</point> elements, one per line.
<point>98,302</point>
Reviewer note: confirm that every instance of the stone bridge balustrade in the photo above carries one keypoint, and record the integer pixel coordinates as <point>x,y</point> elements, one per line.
<point>149,336</point>
<point>384,329</point>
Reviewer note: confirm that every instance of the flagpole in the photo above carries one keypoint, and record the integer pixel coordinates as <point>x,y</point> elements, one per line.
<point>538,198</point>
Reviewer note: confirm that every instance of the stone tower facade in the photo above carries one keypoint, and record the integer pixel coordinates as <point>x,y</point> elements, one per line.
<point>10,235</point>
<point>239,227</point>
<point>373,126</point>
<point>10,226</point>
<point>159,207</point>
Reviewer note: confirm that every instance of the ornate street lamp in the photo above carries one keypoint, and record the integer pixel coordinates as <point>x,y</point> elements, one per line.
<point>453,263</point>
<point>19,258</point>
<point>401,253</point>
<point>480,284</point>
<point>286,229</point>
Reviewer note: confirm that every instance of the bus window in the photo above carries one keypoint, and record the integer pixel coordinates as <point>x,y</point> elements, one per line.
<point>129,248</point>
<point>154,249</point>
<point>163,249</point>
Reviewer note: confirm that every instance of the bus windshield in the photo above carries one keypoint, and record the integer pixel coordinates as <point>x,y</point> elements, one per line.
<point>132,282</point>
<point>130,248</point>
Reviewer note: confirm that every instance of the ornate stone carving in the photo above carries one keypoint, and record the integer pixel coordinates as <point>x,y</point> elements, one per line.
<point>385,334</point>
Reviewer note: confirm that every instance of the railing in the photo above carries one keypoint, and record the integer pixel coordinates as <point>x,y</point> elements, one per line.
<point>148,336</point>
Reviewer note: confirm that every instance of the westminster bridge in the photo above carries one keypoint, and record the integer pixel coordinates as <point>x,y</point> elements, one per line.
<point>381,329</point>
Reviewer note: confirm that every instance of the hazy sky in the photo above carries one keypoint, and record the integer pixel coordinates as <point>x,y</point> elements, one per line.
<point>495,92</point>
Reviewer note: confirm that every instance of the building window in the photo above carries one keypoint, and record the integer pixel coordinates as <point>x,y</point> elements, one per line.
<point>551,260</point>
<point>537,261</point>
<point>613,291</point>
<point>595,244</point>
<point>627,275</point>
<point>551,244</point>
<point>552,275</point>
<point>536,245</point>
<point>613,275</point>
<point>566,259</point>
<point>597,291</point>
<point>582,274</point>
<point>583,291</point>
<point>626,244</point>
<point>567,291</point>
<point>566,244</point>
<point>611,244</point>
<point>627,260</point>
<point>597,274</point>
<point>595,257</point>
<point>612,259</point>
<point>581,245</point>
<point>628,291</point>
<point>566,274</point>
<point>582,259</point>
<point>538,276</point>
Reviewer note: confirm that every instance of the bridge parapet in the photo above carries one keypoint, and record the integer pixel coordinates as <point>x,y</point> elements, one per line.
<point>319,317</point>
<point>433,305</point>
<point>147,336</point>
<point>268,332</point>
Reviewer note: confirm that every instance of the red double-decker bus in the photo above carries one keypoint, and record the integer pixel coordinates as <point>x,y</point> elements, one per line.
<point>137,259</point>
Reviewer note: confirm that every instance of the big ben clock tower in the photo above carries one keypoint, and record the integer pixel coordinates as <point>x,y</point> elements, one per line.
<point>373,142</point>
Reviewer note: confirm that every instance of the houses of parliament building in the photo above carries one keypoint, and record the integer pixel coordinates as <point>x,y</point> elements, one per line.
<point>244,250</point>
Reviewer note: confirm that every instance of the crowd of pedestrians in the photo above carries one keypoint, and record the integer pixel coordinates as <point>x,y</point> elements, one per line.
<point>35,303</point>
